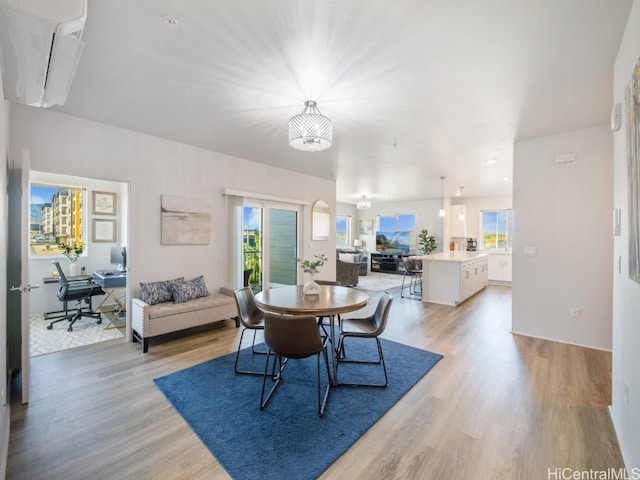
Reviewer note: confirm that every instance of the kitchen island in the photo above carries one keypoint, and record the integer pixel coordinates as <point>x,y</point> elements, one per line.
<point>450,278</point>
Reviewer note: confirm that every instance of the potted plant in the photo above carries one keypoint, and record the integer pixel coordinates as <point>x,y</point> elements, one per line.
<point>72,251</point>
<point>427,242</point>
<point>312,267</point>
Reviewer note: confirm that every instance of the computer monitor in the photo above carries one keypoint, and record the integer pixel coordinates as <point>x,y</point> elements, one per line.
<point>119,257</point>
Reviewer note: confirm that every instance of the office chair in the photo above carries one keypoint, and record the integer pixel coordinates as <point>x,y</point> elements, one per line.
<point>293,337</point>
<point>369,327</point>
<point>79,291</point>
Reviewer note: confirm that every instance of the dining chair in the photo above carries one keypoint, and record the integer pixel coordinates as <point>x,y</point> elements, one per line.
<point>413,270</point>
<point>251,318</point>
<point>293,337</point>
<point>368,327</point>
<point>321,320</point>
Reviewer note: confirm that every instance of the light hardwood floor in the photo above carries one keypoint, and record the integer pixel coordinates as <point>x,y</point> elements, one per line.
<point>498,406</point>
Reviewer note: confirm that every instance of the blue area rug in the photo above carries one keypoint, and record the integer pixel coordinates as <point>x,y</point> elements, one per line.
<point>287,439</point>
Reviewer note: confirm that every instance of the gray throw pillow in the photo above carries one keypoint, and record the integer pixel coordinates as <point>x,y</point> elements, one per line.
<point>158,292</point>
<point>189,290</point>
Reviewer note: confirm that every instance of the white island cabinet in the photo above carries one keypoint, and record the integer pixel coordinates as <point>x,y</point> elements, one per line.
<point>452,277</point>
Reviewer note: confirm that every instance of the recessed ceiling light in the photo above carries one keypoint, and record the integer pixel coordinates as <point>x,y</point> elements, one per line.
<point>491,161</point>
<point>170,21</point>
<point>505,179</point>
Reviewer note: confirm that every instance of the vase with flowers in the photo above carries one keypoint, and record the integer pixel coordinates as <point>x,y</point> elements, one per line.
<point>72,251</point>
<point>312,267</point>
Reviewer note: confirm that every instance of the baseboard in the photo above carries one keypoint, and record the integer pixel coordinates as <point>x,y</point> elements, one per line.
<point>500,283</point>
<point>618,438</point>
<point>513,332</point>
<point>6,420</point>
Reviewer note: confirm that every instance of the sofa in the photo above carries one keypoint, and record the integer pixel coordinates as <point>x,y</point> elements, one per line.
<point>353,256</point>
<point>347,273</point>
<point>164,307</point>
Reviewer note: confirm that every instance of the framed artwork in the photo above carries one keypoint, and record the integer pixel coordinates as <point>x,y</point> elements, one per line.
<point>104,203</point>
<point>104,230</point>
<point>365,227</point>
<point>632,99</point>
<point>184,221</point>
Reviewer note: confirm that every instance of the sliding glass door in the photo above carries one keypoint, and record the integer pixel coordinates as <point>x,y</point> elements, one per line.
<point>269,245</point>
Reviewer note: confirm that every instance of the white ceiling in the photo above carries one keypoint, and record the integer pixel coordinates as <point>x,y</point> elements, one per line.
<point>416,89</point>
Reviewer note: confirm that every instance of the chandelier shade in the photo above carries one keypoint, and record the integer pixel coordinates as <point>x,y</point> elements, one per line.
<point>363,203</point>
<point>310,131</point>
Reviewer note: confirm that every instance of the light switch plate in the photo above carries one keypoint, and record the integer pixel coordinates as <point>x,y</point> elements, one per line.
<point>530,251</point>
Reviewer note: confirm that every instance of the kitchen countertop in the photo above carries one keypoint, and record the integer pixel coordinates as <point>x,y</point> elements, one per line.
<point>452,256</point>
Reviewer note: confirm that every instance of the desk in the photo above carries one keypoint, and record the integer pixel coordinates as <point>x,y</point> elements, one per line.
<point>111,283</point>
<point>331,301</point>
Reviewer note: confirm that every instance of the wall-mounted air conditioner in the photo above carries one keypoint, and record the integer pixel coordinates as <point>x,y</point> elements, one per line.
<point>40,48</point>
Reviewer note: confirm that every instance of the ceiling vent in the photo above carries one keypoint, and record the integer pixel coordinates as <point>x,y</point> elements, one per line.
<point>40,48</point>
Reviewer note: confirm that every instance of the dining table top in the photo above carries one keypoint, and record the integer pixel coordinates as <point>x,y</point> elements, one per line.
<point>291,300</point>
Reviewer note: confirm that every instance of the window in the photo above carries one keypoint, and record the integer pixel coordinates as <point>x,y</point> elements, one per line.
<point>392,223</point>
<point>343,227</point>
<point>497,229</point>
<point>56,217</point>
<point>401,228</point>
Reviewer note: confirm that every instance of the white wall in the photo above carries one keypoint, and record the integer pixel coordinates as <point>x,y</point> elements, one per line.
<point>565,211</point>
<point>4,409</point>
<point>153,166</point>
<point>626,293</point>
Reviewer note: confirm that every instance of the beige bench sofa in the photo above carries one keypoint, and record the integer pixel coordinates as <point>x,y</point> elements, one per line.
<point>166,317</point>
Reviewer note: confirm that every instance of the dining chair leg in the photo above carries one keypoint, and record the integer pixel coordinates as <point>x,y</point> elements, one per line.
<point>403,287</point>
<point>322,406</point>
<point>379,362</point>
<point>263,400</point>
<point>235,366</point>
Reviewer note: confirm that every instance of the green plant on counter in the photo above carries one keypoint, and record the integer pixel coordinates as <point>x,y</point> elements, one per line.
<point>427,242</point>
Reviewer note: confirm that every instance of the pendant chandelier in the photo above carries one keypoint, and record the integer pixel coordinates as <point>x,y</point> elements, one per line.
<point>310,131</point>
<point>363,203</point>
<point>442,210</point>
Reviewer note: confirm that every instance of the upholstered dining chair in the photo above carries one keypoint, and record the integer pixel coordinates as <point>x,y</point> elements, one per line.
<point>413,270</point>
<point>293,337</point>
<point>369,327</point>
<point>251,318</point>
<point>321,320</point>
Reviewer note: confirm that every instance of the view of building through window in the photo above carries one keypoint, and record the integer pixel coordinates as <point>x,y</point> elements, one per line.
<point>55,218</point>
<point>497,229</point>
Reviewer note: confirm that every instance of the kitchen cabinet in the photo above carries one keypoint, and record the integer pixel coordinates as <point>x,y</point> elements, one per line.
<point>458,221</point>
<point>452,277</point>
<point>500,267</point>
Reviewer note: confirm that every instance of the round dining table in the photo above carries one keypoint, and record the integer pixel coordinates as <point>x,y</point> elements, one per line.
<point>331,301</point>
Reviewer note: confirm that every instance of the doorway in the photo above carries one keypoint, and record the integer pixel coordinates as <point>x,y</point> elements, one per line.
<point>270,236</point>
<point>64,210</point>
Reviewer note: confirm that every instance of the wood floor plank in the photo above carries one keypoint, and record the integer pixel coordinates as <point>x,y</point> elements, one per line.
<point>497,406</point>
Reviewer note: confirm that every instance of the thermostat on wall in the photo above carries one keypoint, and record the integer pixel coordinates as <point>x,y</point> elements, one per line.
<point>616,117</point>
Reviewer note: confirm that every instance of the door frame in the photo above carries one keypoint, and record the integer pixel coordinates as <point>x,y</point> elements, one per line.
<point>266,206</point>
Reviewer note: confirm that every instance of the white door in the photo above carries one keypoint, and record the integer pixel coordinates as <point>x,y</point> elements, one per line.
<point>270,245</point>
<point>18,270</point>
